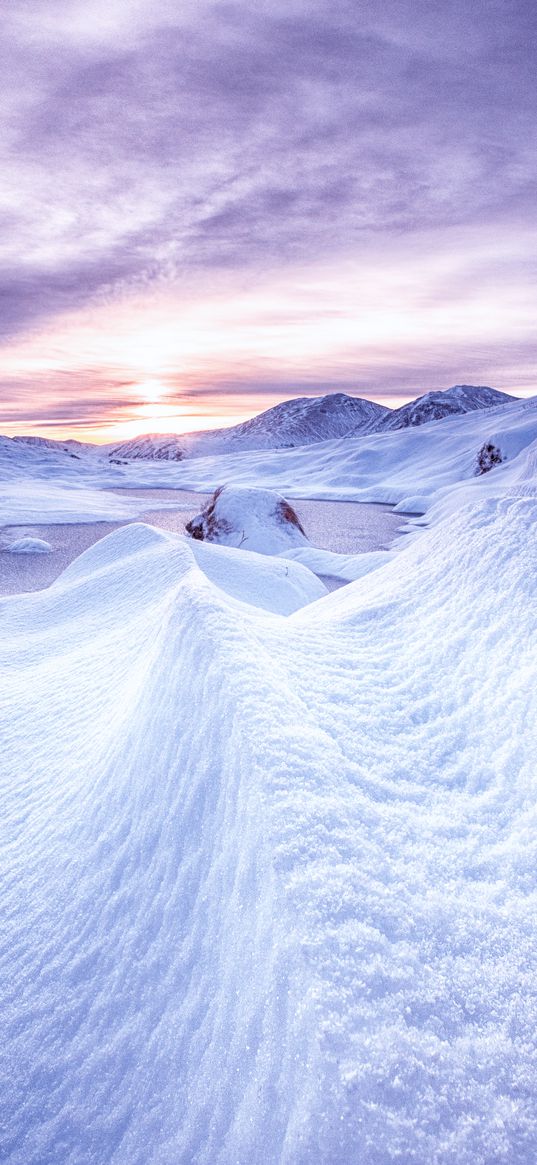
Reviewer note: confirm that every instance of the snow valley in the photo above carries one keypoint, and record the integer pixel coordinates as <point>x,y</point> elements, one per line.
<point>269,853</point>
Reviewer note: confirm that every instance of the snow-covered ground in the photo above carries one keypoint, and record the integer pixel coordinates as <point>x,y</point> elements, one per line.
<point>269,882</point>
<point>269,855</point>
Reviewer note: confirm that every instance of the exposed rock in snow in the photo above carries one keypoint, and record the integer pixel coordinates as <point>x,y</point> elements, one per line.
<point>28,546</point>
<point>489,455</point>
<point>462,398</point>
<point>256,519</point>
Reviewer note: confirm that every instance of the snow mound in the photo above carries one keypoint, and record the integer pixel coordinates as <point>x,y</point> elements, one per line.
<point>29,546</point>
<point>269,885</point>
<point>256,519</point>
<point>270,584</point>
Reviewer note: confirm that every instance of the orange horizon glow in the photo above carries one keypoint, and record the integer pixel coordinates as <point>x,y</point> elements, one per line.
<point>183,360</point>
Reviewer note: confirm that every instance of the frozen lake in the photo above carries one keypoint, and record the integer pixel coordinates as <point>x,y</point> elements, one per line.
<point>345,527</point>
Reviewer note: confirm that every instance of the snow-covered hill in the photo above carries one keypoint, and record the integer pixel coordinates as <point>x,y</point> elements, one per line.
<point>403,466</point>
<point>450,402</point>
<point>293,422</point>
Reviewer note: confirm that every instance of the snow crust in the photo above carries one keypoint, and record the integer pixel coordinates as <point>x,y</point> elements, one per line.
<point>27,501</point>
<point>269,883</point>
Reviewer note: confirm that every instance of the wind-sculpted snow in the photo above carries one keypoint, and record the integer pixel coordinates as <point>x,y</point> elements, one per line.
<point>270,883</point>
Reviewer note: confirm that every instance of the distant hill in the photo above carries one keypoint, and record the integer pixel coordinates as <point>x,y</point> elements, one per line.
<point>450,402</point>
<point>293,422</point>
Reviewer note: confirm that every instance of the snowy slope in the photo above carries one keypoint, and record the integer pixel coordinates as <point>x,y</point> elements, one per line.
<point>269,884</point>
<point>406,465</point>
<point>462,398</point>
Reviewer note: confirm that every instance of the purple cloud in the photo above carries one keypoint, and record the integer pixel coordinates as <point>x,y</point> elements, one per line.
<point>243,137</point>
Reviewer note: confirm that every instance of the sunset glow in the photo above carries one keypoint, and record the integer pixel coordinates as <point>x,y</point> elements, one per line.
<point>231,208</point>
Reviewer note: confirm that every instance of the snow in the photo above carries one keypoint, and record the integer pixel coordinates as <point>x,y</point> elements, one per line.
<point>256,519</point>
<point>269,854</point>
<point>28,546</point>
<point>246,576</point>
<point>269,882</point>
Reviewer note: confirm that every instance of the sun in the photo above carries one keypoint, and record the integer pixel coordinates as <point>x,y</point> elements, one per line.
<point>151,391</point>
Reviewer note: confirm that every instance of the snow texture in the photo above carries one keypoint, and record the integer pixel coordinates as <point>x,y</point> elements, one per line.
<point>27,501</point>
<point>269,883</point>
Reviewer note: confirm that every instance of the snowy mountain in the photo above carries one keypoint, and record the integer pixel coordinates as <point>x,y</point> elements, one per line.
<point>306,421</point>
<point>449,402</point>
<point>292,422</point>
<point>296,422</point>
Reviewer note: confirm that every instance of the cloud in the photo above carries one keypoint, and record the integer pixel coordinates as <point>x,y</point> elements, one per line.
<point>145,144</point>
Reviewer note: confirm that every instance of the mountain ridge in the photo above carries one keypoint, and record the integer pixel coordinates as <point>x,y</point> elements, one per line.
<point>296,422</point>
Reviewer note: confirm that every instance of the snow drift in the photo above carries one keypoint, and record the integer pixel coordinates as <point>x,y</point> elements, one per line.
<point>27,546</point>
<point>269,883</point>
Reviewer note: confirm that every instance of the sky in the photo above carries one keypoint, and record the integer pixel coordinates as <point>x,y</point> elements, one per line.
<point>210,207</point>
